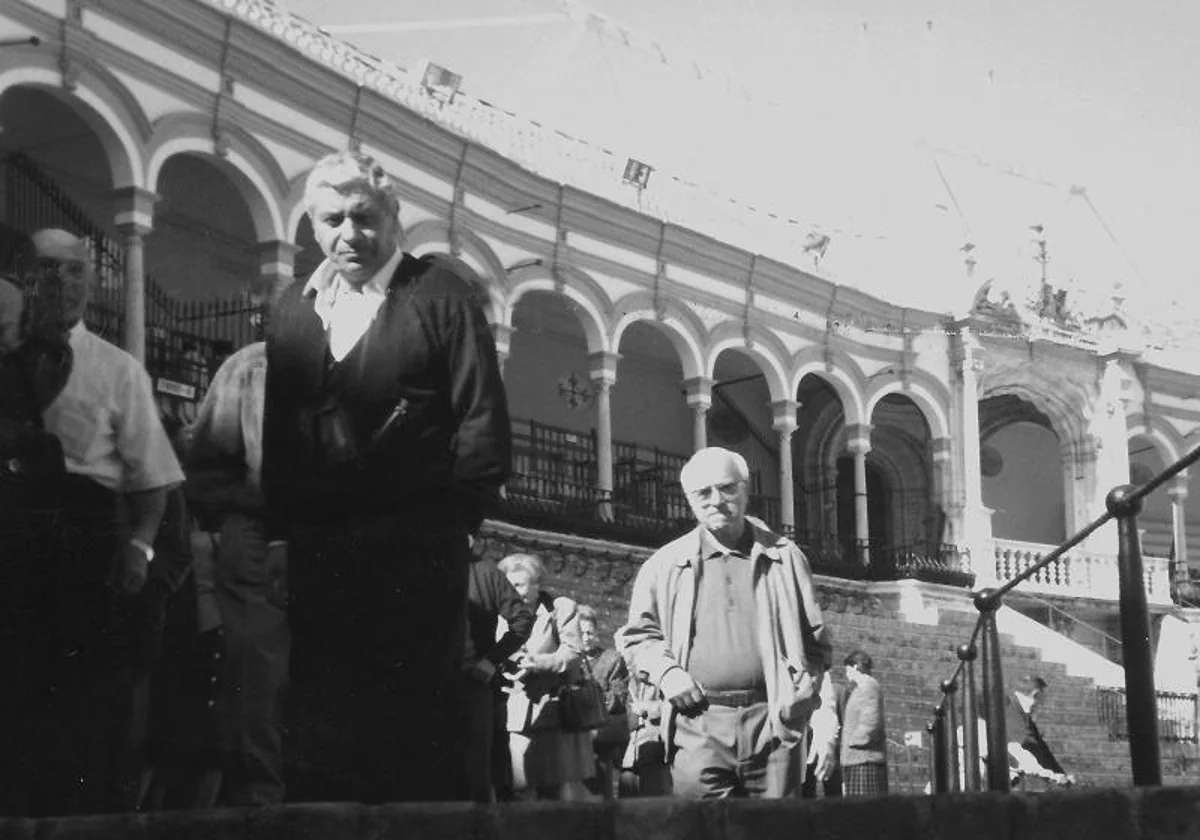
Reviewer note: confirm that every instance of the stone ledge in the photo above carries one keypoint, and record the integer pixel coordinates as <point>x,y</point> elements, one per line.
<point>1102,814</point>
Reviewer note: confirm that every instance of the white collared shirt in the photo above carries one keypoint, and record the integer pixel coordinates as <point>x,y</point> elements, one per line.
<point>108,421</point>
<point>345,311</point>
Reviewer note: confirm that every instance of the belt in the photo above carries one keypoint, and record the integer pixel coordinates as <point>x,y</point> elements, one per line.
<point>736,698</point>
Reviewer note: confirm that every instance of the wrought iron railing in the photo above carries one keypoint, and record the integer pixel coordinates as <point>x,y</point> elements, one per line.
<point>1177,714</point>
<point>185,340</point>
<point>1141,701</point>
<point>35,201</point>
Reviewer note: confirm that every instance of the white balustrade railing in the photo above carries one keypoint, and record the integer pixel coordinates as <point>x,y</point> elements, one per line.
<point>1078,573</point>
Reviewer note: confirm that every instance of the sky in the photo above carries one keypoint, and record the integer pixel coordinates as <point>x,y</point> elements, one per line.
<point>829,110</point>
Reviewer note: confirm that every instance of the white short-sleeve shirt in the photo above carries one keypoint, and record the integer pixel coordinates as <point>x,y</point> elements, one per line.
<point>108,421</point>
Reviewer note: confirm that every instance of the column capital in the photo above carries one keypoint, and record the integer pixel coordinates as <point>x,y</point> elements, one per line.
<point>602,367</point>
<point>783,415</point>
<point>277,250</point>
<point>941,448</point>
<point>502,336</point>
<point>858,438</point>
<point>276,267</point>
<point>134,208</point>
<point>1178,490</point>
<point>698,392</point>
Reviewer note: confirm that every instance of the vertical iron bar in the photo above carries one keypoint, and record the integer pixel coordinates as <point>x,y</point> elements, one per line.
<point>949,687</point>
<point>993,694</point>
<point>1140,708</point>
<point>970,716</point>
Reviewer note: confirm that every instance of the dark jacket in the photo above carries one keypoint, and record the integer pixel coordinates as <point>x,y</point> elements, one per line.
<point>490,597</point>
<point>419,407</point>
<point>1023,729</point>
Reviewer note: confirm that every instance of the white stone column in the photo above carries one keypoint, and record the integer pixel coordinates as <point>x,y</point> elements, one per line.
<point>784,422</point>
<point>134,219</point>
<point>975,531</point>
<point>699,399</point>
<point>1109,430</point>
<point>942,492</point>
<point>602,367</point>
<point>1178,494</point>
<point>502,336</point>
<point>858,442</point>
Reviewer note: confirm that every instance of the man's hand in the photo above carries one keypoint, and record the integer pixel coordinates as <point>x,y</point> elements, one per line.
<point>683,692</point>
<point>826,755</point>
<point>130,569</point>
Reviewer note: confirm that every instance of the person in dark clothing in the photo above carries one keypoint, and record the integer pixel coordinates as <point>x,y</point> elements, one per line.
<point>611,673</point>
<point>490,597</point>
<point>1033,763</point>
<point>385,434</point>
<point>93,592</point>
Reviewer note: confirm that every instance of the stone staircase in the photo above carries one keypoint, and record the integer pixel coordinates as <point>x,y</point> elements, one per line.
<point>911,660</point>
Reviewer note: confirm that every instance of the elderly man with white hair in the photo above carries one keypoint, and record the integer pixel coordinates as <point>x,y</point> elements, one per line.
<point>385,434</point>
<point>724,622</point>
<point>88,593</point>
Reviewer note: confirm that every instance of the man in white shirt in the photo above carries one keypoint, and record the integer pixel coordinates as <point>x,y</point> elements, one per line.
<point>88,593</point>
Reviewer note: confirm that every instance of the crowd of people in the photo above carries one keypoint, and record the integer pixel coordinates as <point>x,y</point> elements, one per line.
<point>280,601</point>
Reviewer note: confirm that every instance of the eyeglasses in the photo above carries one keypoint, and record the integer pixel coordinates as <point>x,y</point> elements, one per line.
<point>73,268</point>
<point>728,490</point>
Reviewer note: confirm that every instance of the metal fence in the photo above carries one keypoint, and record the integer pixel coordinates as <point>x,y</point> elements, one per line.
<point>1177,714</point>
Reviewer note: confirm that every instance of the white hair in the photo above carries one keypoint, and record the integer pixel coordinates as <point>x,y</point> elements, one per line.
<point>712,459</point>
<point>530,564</point>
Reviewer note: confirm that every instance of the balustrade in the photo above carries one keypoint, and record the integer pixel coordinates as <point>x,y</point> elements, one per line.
<point>1080,574</point>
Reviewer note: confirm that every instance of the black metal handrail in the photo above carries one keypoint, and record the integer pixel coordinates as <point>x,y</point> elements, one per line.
<point>1123,504</point>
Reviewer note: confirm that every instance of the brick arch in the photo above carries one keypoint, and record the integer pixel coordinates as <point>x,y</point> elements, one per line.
<point>1170,444</point>
<point>293,208</point>
<point>766,350</point>
<point>925,391</point>
<point>246,162</point>
<point>678,323</point>
<point>1065,419</point>
<point>473,249</point>
<point>99,98</point>
<point>538,278</point>
<point>841,372</point>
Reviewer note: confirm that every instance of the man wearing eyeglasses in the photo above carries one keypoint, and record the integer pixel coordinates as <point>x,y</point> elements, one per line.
<point>87,594</point>
<point>724,621</point>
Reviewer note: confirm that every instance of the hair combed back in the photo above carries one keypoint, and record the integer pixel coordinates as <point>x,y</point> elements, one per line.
<point>530,564</point>
<point>345,171</point>
<point>708,461</point>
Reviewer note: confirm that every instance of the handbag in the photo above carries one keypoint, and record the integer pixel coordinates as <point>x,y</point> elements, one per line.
<point>582,704</point>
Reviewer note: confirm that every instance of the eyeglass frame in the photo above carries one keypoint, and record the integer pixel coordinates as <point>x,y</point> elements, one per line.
<point>725,490</point>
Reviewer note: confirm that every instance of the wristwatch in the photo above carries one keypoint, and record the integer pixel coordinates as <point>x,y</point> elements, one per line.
<point>145,548</point>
